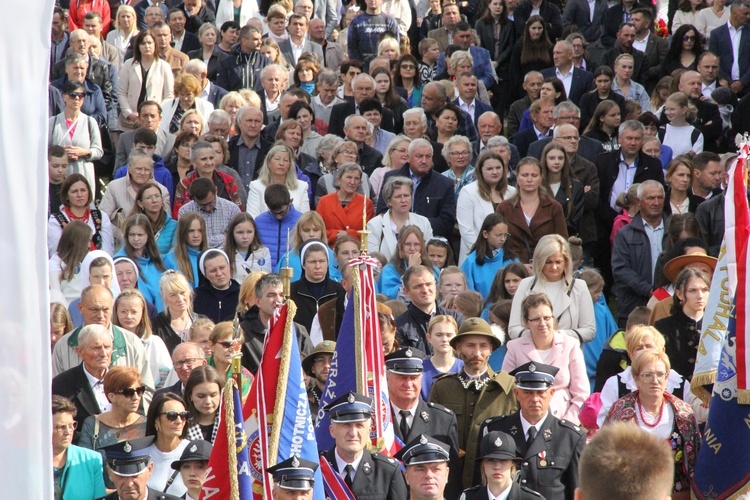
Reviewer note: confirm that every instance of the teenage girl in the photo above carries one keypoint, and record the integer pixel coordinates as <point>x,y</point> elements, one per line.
<point>243,241</point>
<point>487,256</point>
<point>191,241</point>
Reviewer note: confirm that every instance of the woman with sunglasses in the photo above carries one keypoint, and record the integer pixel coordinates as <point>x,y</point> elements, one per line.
<point>222,344</point>
<point>684,50</point>
<point>122,385</point>
<point>167,422</point>
<point>77,132</point>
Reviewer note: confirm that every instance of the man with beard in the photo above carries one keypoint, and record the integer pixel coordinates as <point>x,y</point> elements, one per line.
<point>317,365</point>
<point>476,392</point>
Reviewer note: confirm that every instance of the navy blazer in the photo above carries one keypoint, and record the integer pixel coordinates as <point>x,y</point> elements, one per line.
<point>215,94</point>
<point>612,21</point>
<point>190,43</point>
<point>433,198</point>
<point>482,65</point>
<point>720,44</point>
<point>340,111</point>
<point>583,81</point>
<point>479,108</point>
<point>578,12</point>
<point>213,62</point>
<point>522,140</point>
<point>588,148</point>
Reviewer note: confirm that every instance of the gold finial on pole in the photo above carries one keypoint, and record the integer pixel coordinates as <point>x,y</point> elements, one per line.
<point>363,233</point>
<point>287,272</point>
<point>237,338</point>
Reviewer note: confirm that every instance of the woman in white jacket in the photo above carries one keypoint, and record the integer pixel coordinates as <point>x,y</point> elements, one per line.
<point>187,90</point>
<point>552,274</point>
<point>225,11</point>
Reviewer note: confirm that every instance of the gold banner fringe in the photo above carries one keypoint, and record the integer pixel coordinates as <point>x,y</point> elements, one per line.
<point>286,348</point>
<point>358,351</point>
<point>743,397</point>
<point>231,439</point>
<point>699,383</point>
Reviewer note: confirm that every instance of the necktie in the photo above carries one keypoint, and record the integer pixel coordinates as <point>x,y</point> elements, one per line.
<point>404,426</point>
<point>530,439</point>
<point>348,475</point>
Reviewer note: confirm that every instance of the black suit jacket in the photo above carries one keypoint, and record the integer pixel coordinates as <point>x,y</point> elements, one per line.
<point>550,465</point>
<point>612,21</point>
<point>234,153</point>
<point>607,166</point>
<point>213,62</point>
<point>656,53</point>
<point>439,422</point>
<point>340,111</point>
<point>522,140</point>
<point>517,492</point>
<point>74,385</point>
<point>190,43</point>
<point>434,198</point>
<point>582,82</point>
<point>216,94</point>
<point>588,148</point>
<point>174,389</point>
<point>578,12</point>
<point>377,477</point>
<point>549,11</point>
<point>370,159</point>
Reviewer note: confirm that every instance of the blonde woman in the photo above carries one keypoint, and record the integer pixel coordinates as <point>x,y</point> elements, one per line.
<point>125,29</point>
<point>173,324</point>
<point>231,103</point>
<point>441,329</point>
<point>278,168</point>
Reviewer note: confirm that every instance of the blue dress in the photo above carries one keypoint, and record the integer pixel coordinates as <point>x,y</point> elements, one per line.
<point>170,262</point>
<point>480,277</point>
<point>431,373</point>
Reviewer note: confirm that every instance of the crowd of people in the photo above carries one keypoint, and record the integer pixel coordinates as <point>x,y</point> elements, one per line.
<point>542,182</point>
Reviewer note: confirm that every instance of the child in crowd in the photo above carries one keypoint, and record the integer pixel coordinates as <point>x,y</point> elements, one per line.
<point>440,331</point>
<point>243,242</point>
<point>452,282</point>
<point>678,134</point>
<point>199,332</point>
<point>632,110</point>
<point>429,51</point>
<point>59,322</point>
<point>504,286</point>
<point>468,303</point>
<point>627,202</point>
<point>191,241</point>
<point>388,333</point>
<point>614,357</point>
<point>278,221</point>
<point>57,164</point>
<point>499,317</point>
<point>487,256</point>
<point>605,323</point>
<point>576,254</point>
<point>345,248</point>
<point>140,247</point>
<point>366,29</point>
<point>65,263</point>
<point>440,253</point>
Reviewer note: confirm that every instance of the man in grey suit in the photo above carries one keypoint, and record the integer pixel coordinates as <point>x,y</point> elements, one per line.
<point>578,12</point>
<point>297,43</point>
<point>149,116</point>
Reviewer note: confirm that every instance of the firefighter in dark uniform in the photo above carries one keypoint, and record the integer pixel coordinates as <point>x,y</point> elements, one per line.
<point>130,467</point>
<point>412,416</point>
<point>317,365</point>
<point>426,467</point>
<point>498,463</point>
<point>370,476</point>
<point>293,478</point>
<point>549,447</point>
<point>476,393</point>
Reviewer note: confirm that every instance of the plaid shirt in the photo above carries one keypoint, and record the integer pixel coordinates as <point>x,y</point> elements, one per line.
<point>194,431</point>
<point>216,221</point>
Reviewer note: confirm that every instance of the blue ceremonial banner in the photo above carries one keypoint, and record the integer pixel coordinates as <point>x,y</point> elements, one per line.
<point>341,379</point>
<point>723,469</point>
<point>297,435</point>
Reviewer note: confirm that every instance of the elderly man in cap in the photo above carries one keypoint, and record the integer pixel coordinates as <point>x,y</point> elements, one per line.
<point>130,467</point>
<point>476,392</point>
<point>413,417</point>
<point>293,479</point>
<point>317,365</point>
<point>368,475</point>
<point>192,466</point>
<point>426,461</point>
<point>498,462</point>
<point>549,447</point>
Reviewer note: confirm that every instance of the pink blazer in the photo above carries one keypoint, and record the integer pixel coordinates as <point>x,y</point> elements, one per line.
<point>571,382</point>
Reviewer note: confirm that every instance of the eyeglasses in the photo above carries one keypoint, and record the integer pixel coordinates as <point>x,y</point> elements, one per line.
<point>130,392</point>
<point>226,344</point>
<point>649,377</point>
<point>688,38</point>
<point>174,415</point>
<point>569,138</point>
<point>178,365</point>
<point>66,427</point>
<point>348,153</point>
<point>459,153</point>
<point>153,197</point>
<point>536,321</point>
<point>408,66</point>
<point>76,95</point>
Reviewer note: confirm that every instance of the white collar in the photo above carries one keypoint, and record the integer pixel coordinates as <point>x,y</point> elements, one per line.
<point>341,463</point>
<point>525,424</point>
<point>92,379</point>
<point>506,492</point>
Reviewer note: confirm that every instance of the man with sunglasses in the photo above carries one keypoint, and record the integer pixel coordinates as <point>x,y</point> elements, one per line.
<point>130,467</point>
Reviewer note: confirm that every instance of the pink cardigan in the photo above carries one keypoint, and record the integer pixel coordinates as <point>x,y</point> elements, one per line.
<point>571,382</point>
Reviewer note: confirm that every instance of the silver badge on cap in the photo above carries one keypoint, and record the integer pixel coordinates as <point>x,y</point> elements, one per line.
<point>408,353</point>
<point>532,367</point>
<point>423,439</point>
<point>350,398</point>
<point>498,442</point>
<point>295,461</point>
<point>127,448</point>
<point>193,449</point>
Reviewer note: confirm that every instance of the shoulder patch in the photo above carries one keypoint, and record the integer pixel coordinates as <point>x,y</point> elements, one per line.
<point>494,419</point>
<point>570,425</point>
<point>531,492</point>
<point>440,407</point>
<point>382,458</point>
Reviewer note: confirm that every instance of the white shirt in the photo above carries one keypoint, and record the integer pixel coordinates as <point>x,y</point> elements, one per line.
<point>409,419</point>
<point>567,80</point>
<point>296,49</point>
<point>178,41</point>
<point>592,7</point>
<point>503,494</point>
<point>735,35</point>
<point>341,463</point>
<point>469,108</point>
<point>623,182</point>
<point>526,425</point>
<point>707,90</point>
<point>98,387</point>
<point>272,105</point>
<point>206,91</point>
<point>317,101</point>
<point>641,44</point>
